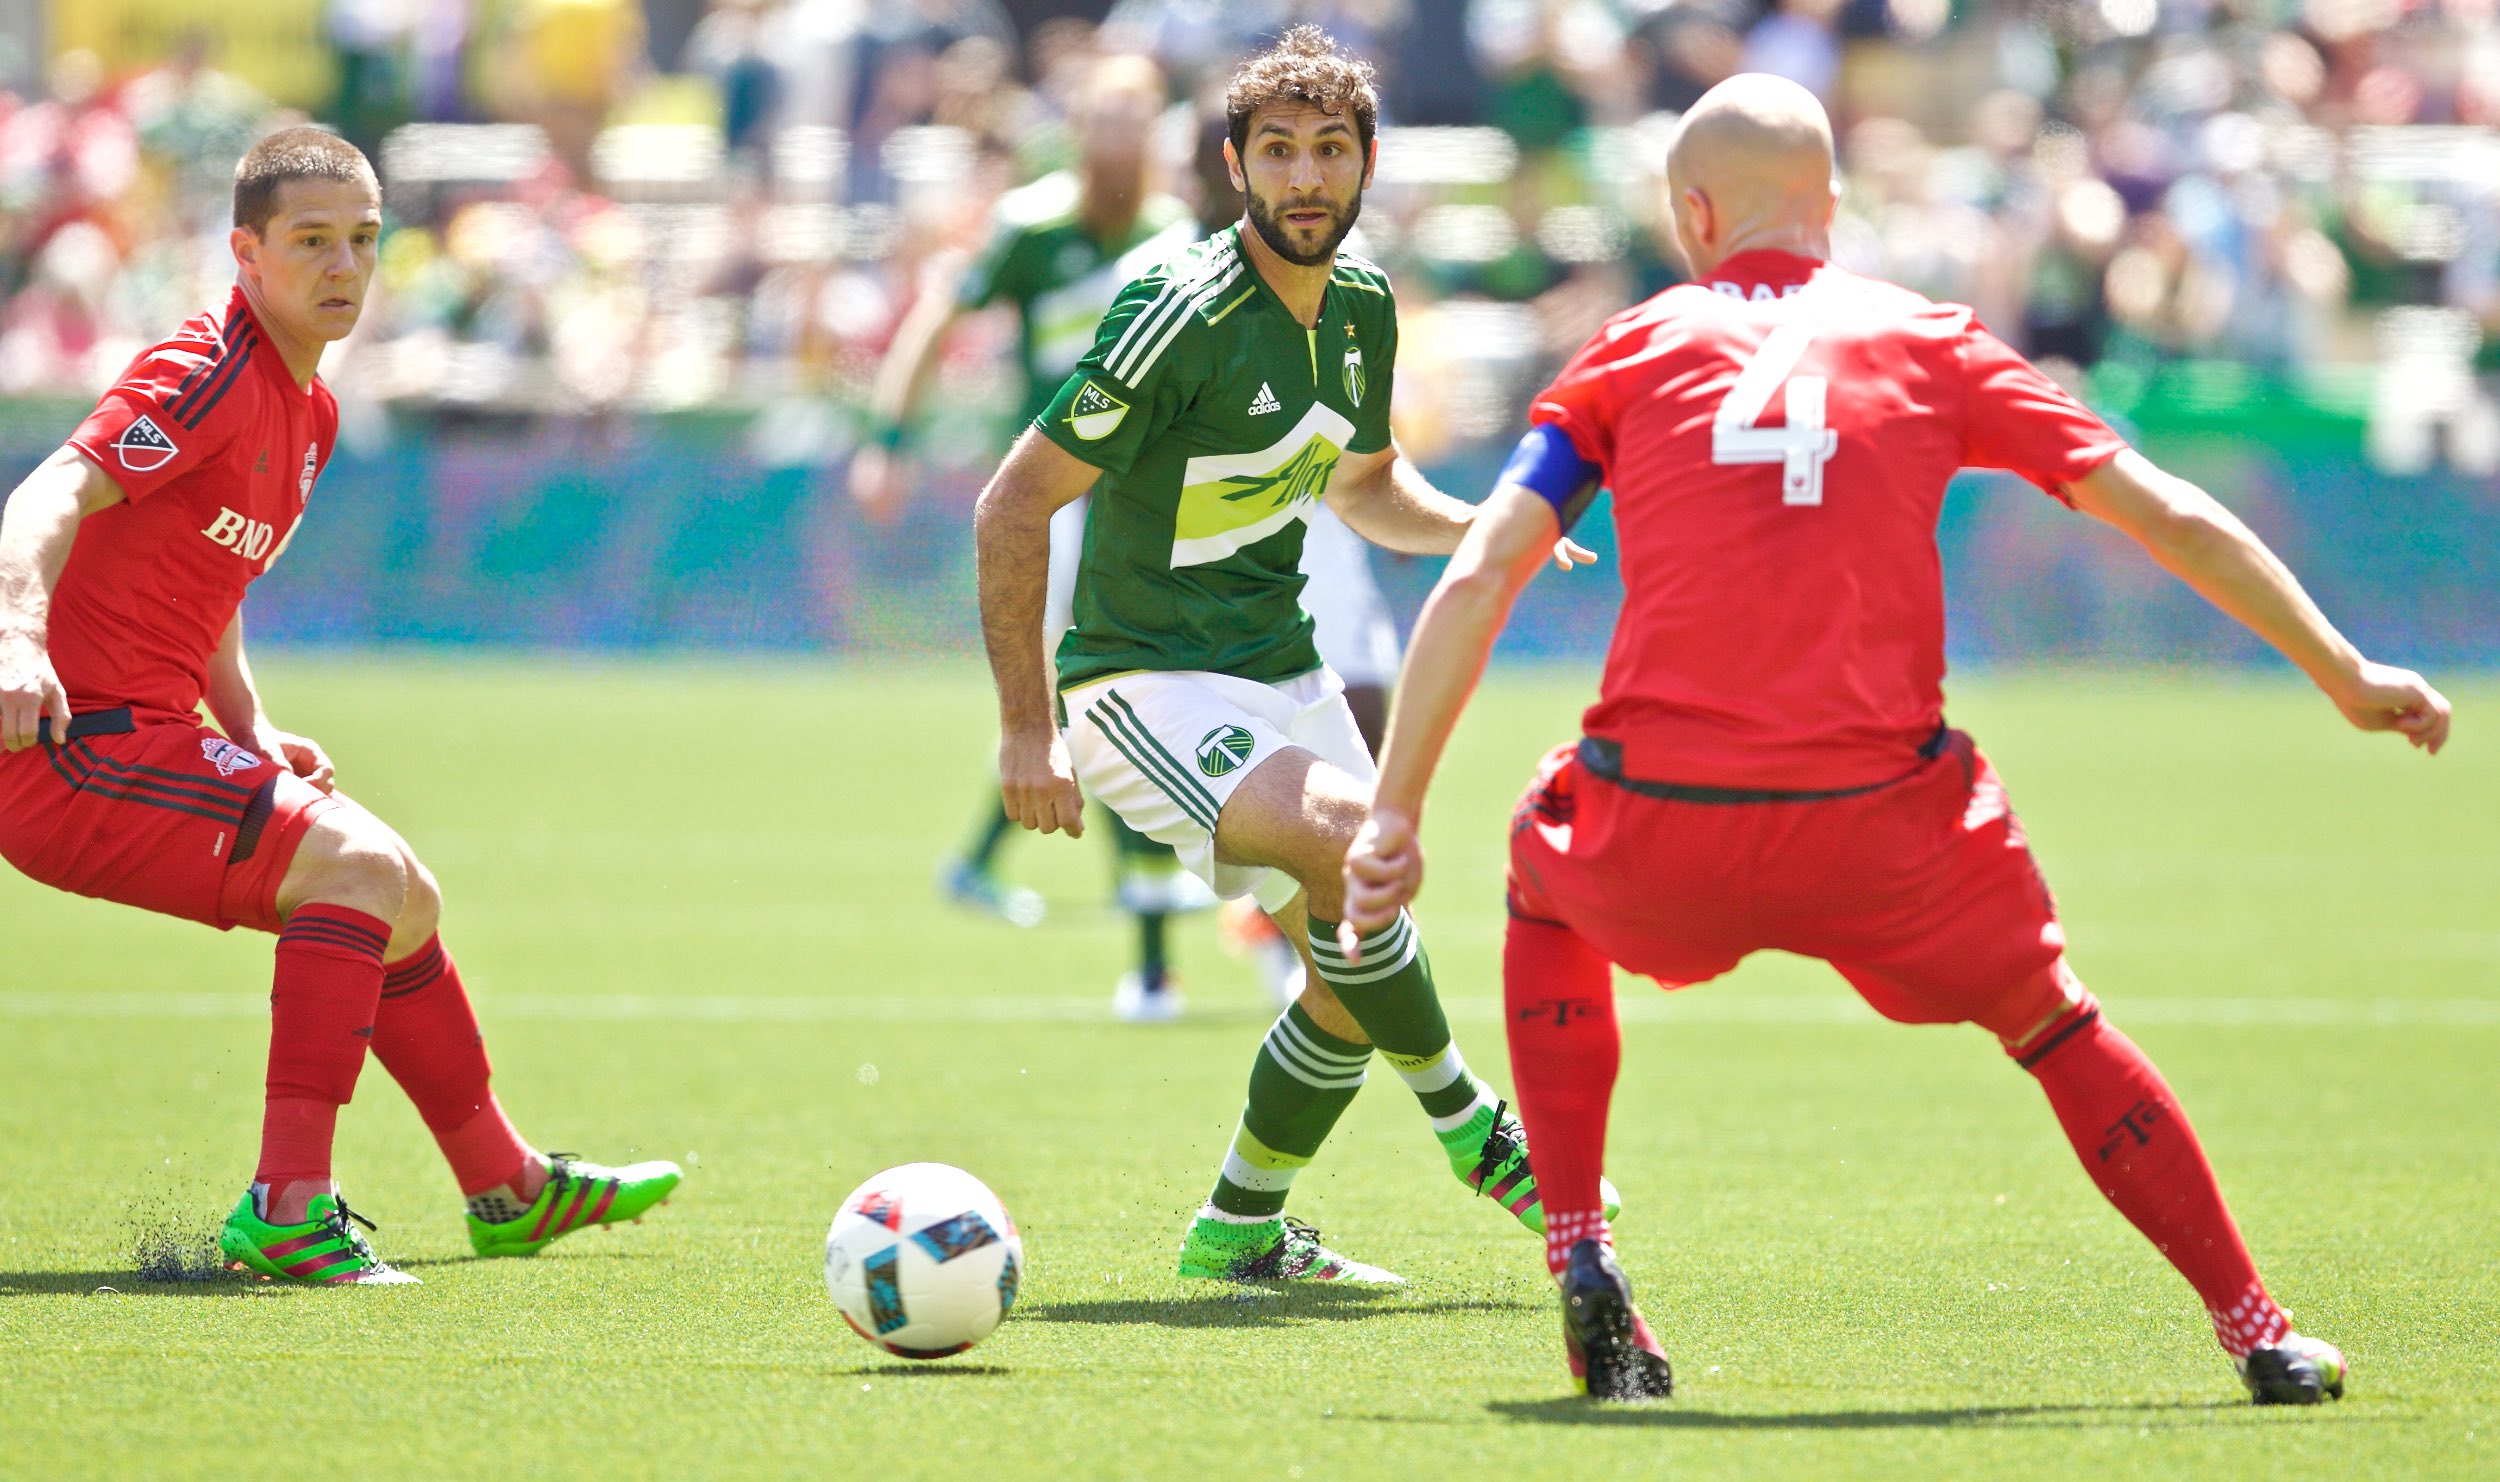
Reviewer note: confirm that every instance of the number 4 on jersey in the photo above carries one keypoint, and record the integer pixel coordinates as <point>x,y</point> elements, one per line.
<point>1803,446</point>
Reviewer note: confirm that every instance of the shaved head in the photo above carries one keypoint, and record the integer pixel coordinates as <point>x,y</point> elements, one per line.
<point>1752,168</point>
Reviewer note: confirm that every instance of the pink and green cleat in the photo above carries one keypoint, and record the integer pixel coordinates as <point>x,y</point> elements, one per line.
<point>323,1251</point>
<point>578,1195</point>
<point>1489,1153</point>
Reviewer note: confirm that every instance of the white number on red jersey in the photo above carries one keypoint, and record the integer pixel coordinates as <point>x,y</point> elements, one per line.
<point>1803,446</point>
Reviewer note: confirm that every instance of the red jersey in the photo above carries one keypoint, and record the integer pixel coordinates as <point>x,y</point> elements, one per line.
<point>1778,440</point>
<point>215,449</point>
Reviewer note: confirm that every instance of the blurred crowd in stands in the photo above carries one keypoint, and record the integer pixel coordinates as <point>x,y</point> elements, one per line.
<point>581,218</point>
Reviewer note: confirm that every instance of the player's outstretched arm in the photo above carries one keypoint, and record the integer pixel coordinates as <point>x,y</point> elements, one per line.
<point>879,475</point>
<point>37,527</point>
<point>1387,500</point>
<point>1011,536</point>
<point>1510,538</point>
<point>2205,545</point>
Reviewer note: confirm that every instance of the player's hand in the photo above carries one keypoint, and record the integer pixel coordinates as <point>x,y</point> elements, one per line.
<point>1384,867</point>
<point>303,755</point>
<point>877,483</point>
<point>2382,697</point>
<point>1569,553</point>
<point>29,691</point>
<point>1037,783</point>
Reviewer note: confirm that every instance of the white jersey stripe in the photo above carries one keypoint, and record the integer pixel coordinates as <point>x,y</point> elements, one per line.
<point>1171,295</point>
<point>1129,358</point>
<point>1180,321</point>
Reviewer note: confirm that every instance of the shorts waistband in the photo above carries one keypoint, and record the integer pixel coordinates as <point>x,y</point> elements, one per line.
<point>1603,759</point>
<point>115,722</point>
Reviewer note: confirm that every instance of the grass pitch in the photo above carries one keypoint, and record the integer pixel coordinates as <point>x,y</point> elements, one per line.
<point>693,907</point>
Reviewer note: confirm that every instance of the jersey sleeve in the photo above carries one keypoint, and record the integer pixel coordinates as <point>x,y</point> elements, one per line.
<point>1131,384</point>
<point>2016,418</point>
<point>1371,427</point>
<point>988,278</point>
<point>1580,402</point>
<point>168,414</point>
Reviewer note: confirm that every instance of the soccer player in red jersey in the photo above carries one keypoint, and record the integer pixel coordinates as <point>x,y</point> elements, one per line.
<point>1767,765</point>
<point>123,562</point>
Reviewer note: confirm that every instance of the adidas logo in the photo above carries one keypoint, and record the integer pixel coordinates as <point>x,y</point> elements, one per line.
<point>1266,401</point>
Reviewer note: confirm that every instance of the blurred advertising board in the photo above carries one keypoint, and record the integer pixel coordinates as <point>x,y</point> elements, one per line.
<point>278,46</point>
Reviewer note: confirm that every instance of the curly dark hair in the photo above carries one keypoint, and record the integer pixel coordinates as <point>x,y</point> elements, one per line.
<point>300,153</point>
<point>1304,66</point>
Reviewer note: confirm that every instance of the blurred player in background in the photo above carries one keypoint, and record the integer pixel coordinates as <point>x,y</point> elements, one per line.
<point>1226,392</point>
<point>1060,253</point>
<point>1767,765</point>
<point>124,559</point>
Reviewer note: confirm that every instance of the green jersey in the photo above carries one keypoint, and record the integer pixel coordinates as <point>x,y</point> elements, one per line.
<point>1060,277</point>
<point>1216,418</point>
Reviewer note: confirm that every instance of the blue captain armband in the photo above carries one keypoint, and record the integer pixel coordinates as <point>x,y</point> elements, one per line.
<point>1547,464</point>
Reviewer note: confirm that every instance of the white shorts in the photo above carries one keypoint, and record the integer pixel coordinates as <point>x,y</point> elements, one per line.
<point>1067,548</point>
<point>1355,634</point>
<point>1166,750</point>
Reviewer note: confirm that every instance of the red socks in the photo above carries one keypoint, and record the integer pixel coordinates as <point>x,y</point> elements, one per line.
<point>427,1037</point>
<point>2136,1144</point>
<point>1558,995</point>
<point>327,979</point>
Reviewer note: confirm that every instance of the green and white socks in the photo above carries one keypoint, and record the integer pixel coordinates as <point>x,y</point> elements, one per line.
<point>1390,993</point>
<point>1303,1080</point>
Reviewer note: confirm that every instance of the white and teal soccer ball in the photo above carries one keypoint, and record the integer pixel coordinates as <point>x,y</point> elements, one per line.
<point>923,1260</point>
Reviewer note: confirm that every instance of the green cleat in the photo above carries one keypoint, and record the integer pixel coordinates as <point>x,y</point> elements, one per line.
<point>323,1251</point>
<point>1280,1249</point>
<point>578,1195</point>
<point>1489,1153</point>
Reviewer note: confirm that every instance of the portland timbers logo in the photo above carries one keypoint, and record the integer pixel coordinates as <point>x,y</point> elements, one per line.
<point>1354,374</point>
<point>1096,413</point>
<point>1224,748</point>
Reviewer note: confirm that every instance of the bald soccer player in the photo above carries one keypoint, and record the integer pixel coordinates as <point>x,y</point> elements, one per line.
<point>1767,764</point>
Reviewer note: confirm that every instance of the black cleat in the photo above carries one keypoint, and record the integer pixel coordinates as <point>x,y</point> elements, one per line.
<point>1612,1353</point>
<point>2296,1371</point>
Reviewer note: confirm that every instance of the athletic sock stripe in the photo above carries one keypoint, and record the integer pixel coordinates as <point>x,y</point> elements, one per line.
<point>343,932</point>
<point>1317,1077</point>
<point>1304,1046</point>
<point>1147,768</point>
<point>1388,939</point>
<point>362,951</point>
<point>1121,727</point>
<point>1137,725</point>
<point>1255,1179</point>
<point>415,973</point>
<point>338,918</point>
<point>2059,1038</point>
<point>1371,969</point>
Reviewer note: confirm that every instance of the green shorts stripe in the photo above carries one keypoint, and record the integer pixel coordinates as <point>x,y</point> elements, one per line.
<point>1114,730</point>
<point>1139,732</point>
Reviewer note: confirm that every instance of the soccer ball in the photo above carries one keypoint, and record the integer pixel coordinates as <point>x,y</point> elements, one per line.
<point>923,1260</point>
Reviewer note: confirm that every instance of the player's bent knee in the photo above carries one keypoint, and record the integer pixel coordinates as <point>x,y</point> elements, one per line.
<point>345,860</point>
<point>421,912</point>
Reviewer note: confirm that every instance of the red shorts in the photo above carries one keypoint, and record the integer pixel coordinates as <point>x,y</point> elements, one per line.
<point>1921,892</point>
<point>169,817</point>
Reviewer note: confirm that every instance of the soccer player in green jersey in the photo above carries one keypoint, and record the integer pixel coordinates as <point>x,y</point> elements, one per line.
<point>1061,249</point>
<point>1227,392</point>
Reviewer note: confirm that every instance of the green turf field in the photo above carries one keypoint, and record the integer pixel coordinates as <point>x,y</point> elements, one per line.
<point>693,906</point>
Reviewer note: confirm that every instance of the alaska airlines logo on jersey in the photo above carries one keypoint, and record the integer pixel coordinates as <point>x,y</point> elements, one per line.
<point>226,757</point>
<point>312,466</point>
<point>1232,500</point>
<point>1354,374</point>
<point>1096,414</point>
<point>144,447</point>
<point>1223,749</point>
<point>248,538</point>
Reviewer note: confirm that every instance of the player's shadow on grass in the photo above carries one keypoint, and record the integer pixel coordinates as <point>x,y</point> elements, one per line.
<point>124,1283</point>
<point>1256,1307</point>
<point>1665,1415</point>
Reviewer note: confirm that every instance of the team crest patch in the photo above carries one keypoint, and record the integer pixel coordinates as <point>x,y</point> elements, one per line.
<point>1097,412</point>
<point>1223,749</point>
<point>144,447</point>
<point>226,757</point>
<point>312,466</point>
<point>1354,374</point>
